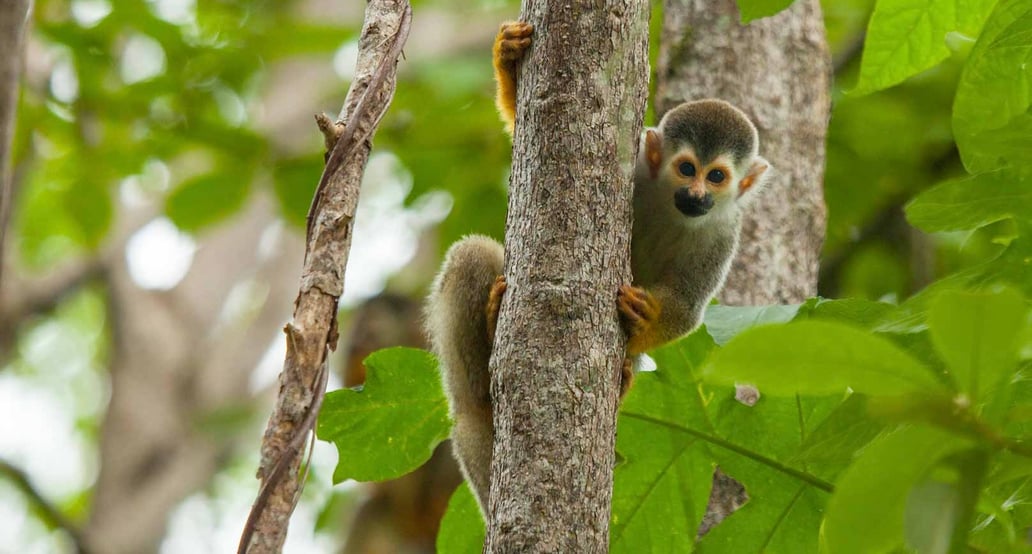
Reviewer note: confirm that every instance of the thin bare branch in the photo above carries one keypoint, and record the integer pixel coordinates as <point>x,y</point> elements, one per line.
<point>313,331</point>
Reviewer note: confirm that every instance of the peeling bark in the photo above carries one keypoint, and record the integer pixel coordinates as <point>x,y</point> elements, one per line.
<point>313,331</point>
<point>559,348</point>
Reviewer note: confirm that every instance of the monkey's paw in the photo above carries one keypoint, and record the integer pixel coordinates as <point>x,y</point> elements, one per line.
<point>494,304</point>
<point>626,376</point>
<point>513,40</point>
<point>640,316</point>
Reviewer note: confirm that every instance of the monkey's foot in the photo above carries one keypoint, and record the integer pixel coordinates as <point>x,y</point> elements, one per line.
<point>626,376</point>
<point>494,304</point>
<point>640,315</point>
<point>512,41</point>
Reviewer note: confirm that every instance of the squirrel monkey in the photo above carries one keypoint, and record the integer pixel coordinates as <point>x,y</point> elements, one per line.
<point>693,175</point>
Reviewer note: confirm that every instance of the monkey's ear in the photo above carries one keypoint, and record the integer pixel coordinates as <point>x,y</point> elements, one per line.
<point>653,151</point>
<point>754,178</point>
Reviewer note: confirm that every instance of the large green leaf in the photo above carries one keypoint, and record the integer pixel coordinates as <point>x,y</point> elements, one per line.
<point>817,357</point>
<point>834,443</point>
<point>462,527</point>
<point>854,311</point>
<point>973,202</point>
<point>991,118</point>
<point>393,424</point>
<point>724,322</point>
<point>976,333</point>
<point>661,488</point>
<point>782,515</point>
<point>871,496</point>
<point>673,429</point>
<point>906,37</point>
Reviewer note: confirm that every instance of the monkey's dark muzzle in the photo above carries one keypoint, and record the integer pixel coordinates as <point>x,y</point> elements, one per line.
<point>691,205</point>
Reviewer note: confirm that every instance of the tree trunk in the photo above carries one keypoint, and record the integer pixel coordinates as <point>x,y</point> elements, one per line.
<point>13,14</point>
<point>559,349</point>
<point>777,70</point>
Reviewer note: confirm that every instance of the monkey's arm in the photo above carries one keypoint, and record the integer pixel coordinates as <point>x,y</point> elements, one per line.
<point>512,40</point>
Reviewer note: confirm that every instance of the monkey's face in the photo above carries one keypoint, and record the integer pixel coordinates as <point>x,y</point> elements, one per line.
<point>699,187</point>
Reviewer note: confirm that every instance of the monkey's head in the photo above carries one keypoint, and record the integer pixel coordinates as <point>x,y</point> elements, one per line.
<point>705,154</point>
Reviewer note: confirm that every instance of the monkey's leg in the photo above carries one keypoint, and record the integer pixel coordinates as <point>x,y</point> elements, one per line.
<point>626,376</point>
<point>494,304</point>
<point>457,322</point>
<point>512,41</point>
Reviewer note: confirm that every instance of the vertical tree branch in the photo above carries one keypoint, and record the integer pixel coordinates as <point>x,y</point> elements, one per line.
<point>13,16</point>
<point>313,331</point>
<point>559,349</point>
<point>776,69</point>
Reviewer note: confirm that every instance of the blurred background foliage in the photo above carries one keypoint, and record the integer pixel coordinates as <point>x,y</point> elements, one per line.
<point>190,110</point>
<point>134,83</point>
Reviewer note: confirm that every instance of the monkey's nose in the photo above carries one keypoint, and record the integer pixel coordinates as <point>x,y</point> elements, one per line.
<point>691,205</point>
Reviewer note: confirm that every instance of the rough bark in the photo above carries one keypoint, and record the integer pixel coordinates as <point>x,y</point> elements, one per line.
<point>313,331</point>
<point>13,15</point>
<point>559,348</point>
<point>777,70</point>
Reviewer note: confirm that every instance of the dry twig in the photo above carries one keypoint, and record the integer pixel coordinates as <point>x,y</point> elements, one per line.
<point>313,331</point>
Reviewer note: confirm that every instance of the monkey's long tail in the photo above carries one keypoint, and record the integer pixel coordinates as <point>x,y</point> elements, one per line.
<point>456,322</point>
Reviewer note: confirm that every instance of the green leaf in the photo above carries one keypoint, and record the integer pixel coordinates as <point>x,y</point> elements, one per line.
<point>835,442</point>
<point>854,311</point>
<point>973,202</point>
<point>906,37</point>
<point>89,206</point>
<point>392,425</point>
<point>724,322</point>
<point>991,118</point>
<point>816,358</point>
<point>872,494</point>
<point>931,512</point>
<point>976,333</point>
<point>938,510</point>
<point>208,199</point>
<point>672,431</point>
<point>661,490</point>
<point>462,527</point>
<point>294,182</point>
<point>755,9</point>
<point>780,516</point>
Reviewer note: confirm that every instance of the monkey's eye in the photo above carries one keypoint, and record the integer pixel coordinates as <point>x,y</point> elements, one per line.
<point>687,169</point>
<point>715,176</point>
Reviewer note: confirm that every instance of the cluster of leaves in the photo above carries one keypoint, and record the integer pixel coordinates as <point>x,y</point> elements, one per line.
<point>145,92</point>
<point>169,100</point>
<point>881,426</point>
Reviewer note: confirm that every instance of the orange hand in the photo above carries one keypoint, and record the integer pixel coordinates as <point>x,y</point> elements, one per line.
<point>640,311</point>
<point>512,41</point>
